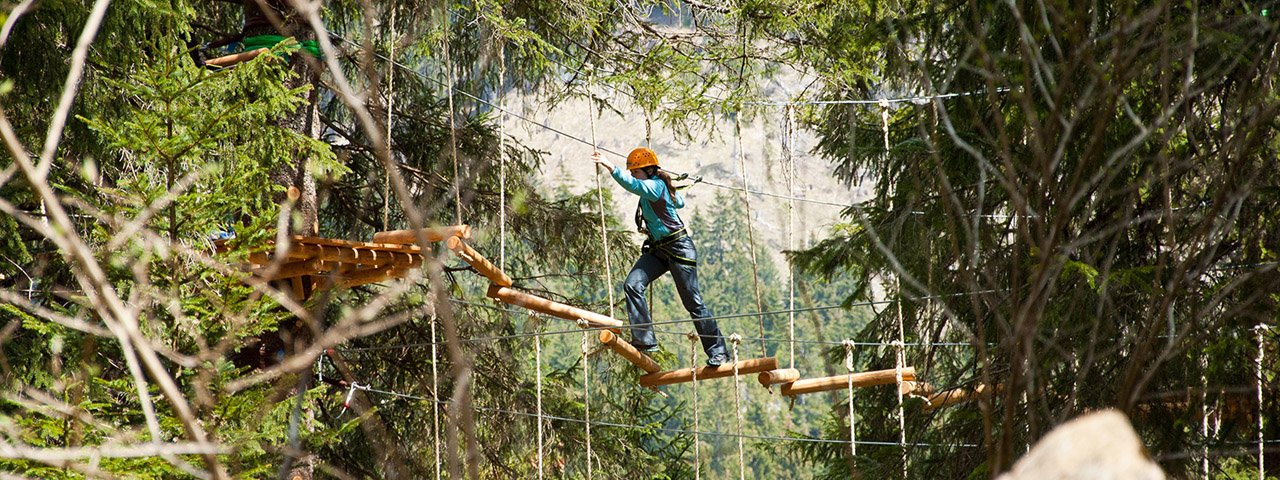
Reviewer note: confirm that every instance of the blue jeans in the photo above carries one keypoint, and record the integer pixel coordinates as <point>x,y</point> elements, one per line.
<point>675,257</point>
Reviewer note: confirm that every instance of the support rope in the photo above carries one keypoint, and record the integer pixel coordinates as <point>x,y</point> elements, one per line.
<point>604,233</point>
<point>751,236</point>
<point>693,360</point>
<point>391,98</point>
<point>737,406</point>
<point>1262,466</point>
<point>435,390</point>
<point>453,124</point>
<point>1204,415</point>
<point>586,390</point>
<point>787,140</point>
<point>502,168</point>
<point>537,359</point>
<point>898,345</point>
<point>853,433</point>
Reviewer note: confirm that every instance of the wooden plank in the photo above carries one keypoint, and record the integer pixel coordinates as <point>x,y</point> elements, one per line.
<point>861,379</point>
<point>434,234</point>
<point>555,309</point>
<point>229,60</point>
<point>636,357</point>
<point>781,375</point>
<point>477,261</point>
<point>754,365</point>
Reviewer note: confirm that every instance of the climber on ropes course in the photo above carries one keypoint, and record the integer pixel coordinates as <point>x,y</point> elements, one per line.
<point>258,32</point>
<point>668,247</point>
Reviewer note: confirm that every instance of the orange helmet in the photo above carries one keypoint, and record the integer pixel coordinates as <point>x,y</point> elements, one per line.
<point>640,158</point>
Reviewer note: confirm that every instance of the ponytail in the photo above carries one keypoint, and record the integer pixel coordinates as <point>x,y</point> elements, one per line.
<point>660,174</point>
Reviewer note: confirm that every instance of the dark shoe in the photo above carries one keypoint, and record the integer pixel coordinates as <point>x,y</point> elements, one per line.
<point>645,348</point>
<point>717,360</point>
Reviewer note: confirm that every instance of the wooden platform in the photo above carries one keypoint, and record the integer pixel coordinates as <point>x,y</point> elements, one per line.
<point>340,262</point>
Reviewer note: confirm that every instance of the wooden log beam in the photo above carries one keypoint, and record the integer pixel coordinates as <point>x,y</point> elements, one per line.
<point>636,357</point>
<point>292,269</point>
<point>861,379</point>
<point>754,365</point>
<point>434,234</point>
<point>958,395</point>
<point>918,389</point>
<point>477,261</point>
<point>229,60</point>
<point>782,375</point>
<point>371,275</point>
<point>555,309</point>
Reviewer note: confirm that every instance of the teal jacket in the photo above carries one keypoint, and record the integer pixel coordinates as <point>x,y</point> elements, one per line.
<point>658,208</point>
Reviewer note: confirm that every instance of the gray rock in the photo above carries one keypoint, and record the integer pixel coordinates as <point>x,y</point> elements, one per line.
<point>1096,446</point>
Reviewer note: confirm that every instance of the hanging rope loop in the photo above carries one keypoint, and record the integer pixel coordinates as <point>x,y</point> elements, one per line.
<point>734,340</point>
<point>848,353</point>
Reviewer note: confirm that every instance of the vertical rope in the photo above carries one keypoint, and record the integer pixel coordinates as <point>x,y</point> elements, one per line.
<point>751,236</point>
<point>502,168</point>
<point>453,126</point>
<point>1204,415</point>
<point>899,355</point>
<point>648,130</point>
<point>586,391</point>
<point>853,435</point>
<point>787,140</point>
<point>735,339</point>
<point>435,389</point>
<point>1262,467</point>
<point>537,359</point>
<point>902,413</point>
<point>604,233</point>
<point>391,98</point>
<point>693,360</point>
